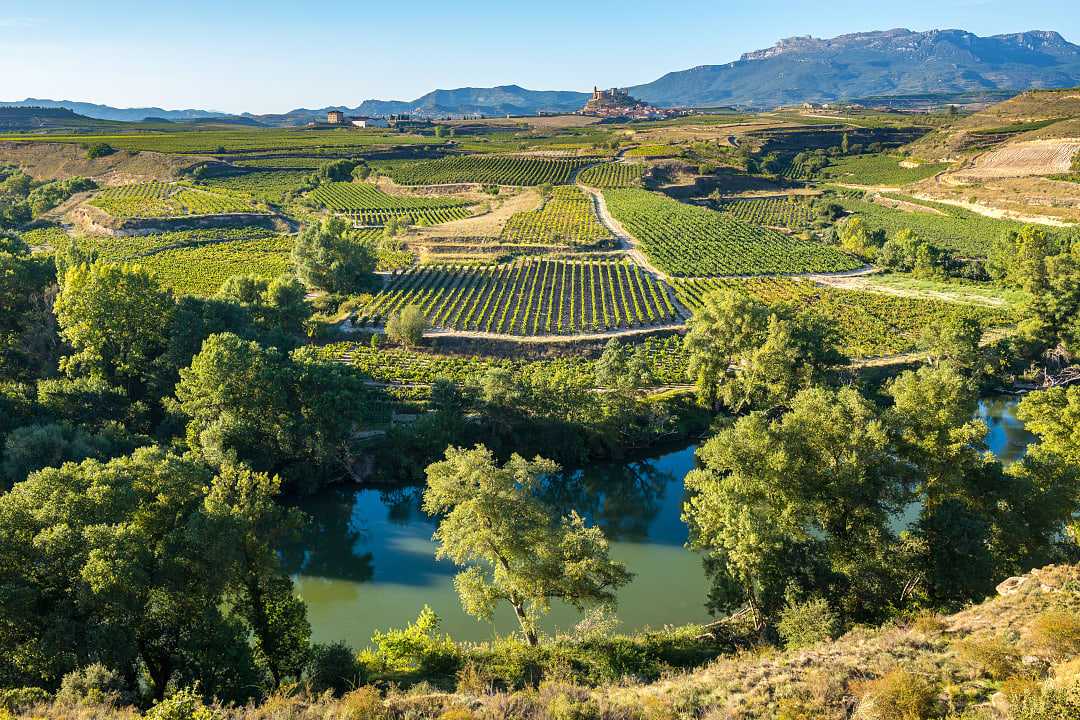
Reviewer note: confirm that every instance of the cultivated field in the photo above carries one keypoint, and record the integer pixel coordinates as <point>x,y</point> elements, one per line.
<point>529,297</point>
<point>488,169</point>
<point>1035,157</point>
<point>160,200</point>
<point>566,218</point>
<point>612,175</point>
<point>684,240</point>
<point>365,205</point>
<point>782,212</point>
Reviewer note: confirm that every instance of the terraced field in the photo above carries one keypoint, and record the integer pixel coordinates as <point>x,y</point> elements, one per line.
<point>366,205</point>
<point>529,297</point>
<point>160,199</point>
<point>267,186</point>
<point>488,169</point>
<point>567,218</point>
<point>197,262</point>
<point>782,212</point>
<point>870,324</point>
<point>613,175</point>
<point>685,241</point>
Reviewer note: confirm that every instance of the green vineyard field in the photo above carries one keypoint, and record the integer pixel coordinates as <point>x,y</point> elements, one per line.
<point>159,199</point>
<point>366,205</point>
<point>488,169</point>
<point>685,240</point>
<point>877,170</point>
<point>772,212</point>
<point>613,175</point>
<point>870,324</point>
<point>197,262</point>
<point>567,218</point>
<point>529,297</point>
<point>267,186</point>
<point>652,151</point>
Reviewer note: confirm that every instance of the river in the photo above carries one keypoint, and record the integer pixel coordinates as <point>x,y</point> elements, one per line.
<point>367,562</point>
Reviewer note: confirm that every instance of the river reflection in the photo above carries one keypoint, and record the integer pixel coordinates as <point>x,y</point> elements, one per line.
<point>366,561</point>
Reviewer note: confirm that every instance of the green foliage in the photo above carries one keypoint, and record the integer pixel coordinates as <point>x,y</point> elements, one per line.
<point>877,170</point>
<point>784,212</point>
<point>1056,634</point>
<point>514,551</point>
<point>115,318</point>
<point>418,648</point>
<point>161,199</point>
<point>613,175</point>
<point>801,624</point>
<point>899,695</point>
<point>326,257</point>
<point>99,150</point>
<point>488,169</point>
<point>184,704</point>
<point>566,218</point>
<point>332,667</point>
<point>528,297</point>
<point>994,657</point>
<point>406,326</point>
<point>94,684</point>
<point>857,239</point>
<point>686,240</point>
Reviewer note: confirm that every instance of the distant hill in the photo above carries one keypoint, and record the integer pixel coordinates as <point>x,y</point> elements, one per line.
<point>893,62</point>
<point>22,119</point>
<point>105,112</point>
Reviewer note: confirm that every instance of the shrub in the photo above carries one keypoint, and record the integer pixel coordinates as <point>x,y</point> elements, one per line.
<point>1056,634</point>
<point>92,685</point>
<point>332,667</point>
<point>806,623</point>
<point>98,150</point>
<point>418,647</point>
<point>457,714</point>
<point>994,657</point>
<point>364,704</point>
<point>16,699</point>
<point>569,705</point>
<point>407,326</point>
<point>1052,702</point>
<point>898,695</point>
<point>184,704</point>
<point>928,624</point>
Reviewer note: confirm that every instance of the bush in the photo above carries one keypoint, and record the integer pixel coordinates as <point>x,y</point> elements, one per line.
<point>92,685</point>
<point>184,704</point>
<point>570,705</point>
<point>806,623</point>
<point>332,667</point>
<point>994,657</point>
<point>1055,701</point>
<point>364,704</point>
<point>16,699</point>
<point>418,648</point>
<point>407,326</point>
<point>98,150</point>
<point>898,695</point>
<point>1056,634</point>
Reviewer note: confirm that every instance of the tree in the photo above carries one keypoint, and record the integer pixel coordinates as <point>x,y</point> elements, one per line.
<point>804,499</point>
<point>326,257</point>
<point>28,340</point>
<point>956,341</point>
<point>279,306</point>
<point>407,326</point>
<point>515,550</point>
<point>130,563</point>
<point>115,319</point>
<point>745,354</point>
<point>858,239</point>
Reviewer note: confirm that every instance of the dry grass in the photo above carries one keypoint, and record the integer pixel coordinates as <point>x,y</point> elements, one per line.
<point>1002,650</point>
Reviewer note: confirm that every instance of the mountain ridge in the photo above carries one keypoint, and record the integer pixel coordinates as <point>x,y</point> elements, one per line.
<point>848,67</point>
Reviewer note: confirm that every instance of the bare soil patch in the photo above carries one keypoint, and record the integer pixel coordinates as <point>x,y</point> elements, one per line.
<point>47,161</point>
<point>488,224</point>
<point>1033,157</point>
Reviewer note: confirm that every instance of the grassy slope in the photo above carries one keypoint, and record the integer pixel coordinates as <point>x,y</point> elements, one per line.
<point>829,680</point>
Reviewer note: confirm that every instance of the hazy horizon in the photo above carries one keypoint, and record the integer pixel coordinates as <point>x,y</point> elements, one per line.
<point>273,56</point>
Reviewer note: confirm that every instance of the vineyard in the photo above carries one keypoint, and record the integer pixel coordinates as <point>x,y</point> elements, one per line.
<point>268,186</point>
<point>877,170</point>
<point>160,199</point>
<point>685,240</point>
<point>870,324</point>
<point>613,175</point>
<point>652,151</point>
<point>970,234</point>
<point>529,297</point>
<point>366,205</point>
<point>488,169</point>
<point>782,212</point>
<point>566,218</point>
<point>197,262</point>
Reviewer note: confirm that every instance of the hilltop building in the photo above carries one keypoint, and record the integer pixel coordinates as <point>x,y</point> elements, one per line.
<point>335,117</point>
<point>617,103</point>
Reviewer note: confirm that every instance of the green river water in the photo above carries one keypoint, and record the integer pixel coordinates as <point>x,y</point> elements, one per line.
<point>367,562</point>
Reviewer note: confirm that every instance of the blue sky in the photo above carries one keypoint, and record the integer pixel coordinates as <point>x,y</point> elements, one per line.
<point>273,56</point>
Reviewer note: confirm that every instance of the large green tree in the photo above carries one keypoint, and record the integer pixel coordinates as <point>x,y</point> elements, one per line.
<point>328,257</point>
<point>515,550</point>
<point>133,564</point>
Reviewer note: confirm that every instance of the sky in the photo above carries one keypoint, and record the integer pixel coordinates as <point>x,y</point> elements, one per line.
<point>273,56</point>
